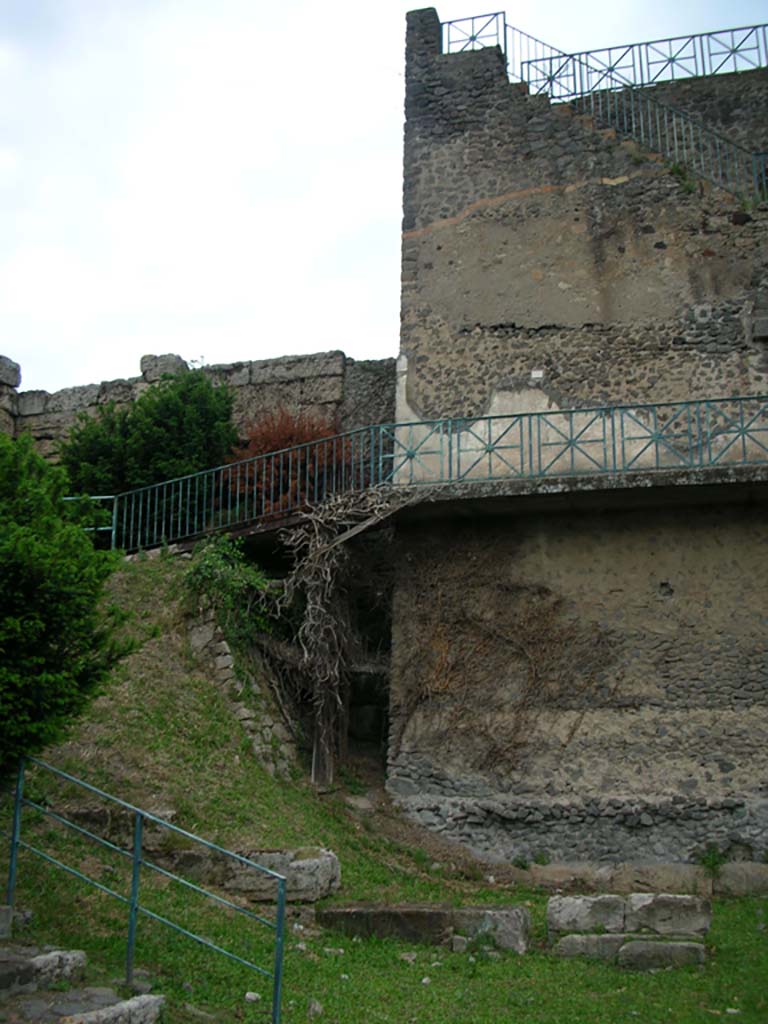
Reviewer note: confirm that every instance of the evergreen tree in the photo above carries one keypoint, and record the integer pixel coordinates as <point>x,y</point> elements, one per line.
<point>56,644</point>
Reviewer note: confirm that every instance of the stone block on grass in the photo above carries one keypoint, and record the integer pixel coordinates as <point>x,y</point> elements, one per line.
<point>508,927</point>
<point>566,914</point>
<point>667,914</point>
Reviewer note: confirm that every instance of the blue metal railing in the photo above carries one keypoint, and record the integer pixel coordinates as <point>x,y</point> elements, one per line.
<point>138,861</point>
<point>614,440</point>
<point>608,83</point>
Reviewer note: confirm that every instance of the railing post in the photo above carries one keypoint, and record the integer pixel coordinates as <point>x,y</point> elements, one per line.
<point>113,532</point>
<point>277,983</point>
<point>138,830</point>
<point>15,835</point>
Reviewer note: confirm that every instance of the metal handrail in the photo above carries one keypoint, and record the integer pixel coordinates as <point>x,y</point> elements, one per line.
<point>644,64</point>
<point>479,31</point>
<point>136,856</point>
<point>682,139</point>
<point>589,74</point>
<point>111,509</point>
<point>605,440</point>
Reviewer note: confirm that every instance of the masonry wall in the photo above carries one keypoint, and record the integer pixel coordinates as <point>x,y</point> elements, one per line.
<point>354,393</point>
<point>588,686</point>
<point>534,242</point>
<point>580,685</point>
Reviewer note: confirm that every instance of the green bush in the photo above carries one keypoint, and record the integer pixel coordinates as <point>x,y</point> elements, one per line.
<point>221,576</point>
<point>179,426</point>
<point>56,645</point>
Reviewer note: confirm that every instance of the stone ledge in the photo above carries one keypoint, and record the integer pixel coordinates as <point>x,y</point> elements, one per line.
<point>433,924</point>
<point>646,956</point>
<point>661,914</point>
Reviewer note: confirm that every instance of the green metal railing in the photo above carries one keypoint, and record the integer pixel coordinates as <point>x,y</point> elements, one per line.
<point>96,513</point>
<point>621,439</point>
<point>680,138</point>
<point>609,83</point>
<point>641,64</point>
<point>564,75</point>
<point>139,861</point>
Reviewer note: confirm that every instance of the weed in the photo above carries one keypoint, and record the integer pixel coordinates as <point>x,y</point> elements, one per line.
<point>521,862</point>
<point>351,782</point>
<point>712,860</point>
<point>683,175</point>
<point>541,857</point>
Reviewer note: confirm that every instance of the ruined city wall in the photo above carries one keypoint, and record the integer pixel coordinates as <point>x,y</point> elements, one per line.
<point>350,392</point>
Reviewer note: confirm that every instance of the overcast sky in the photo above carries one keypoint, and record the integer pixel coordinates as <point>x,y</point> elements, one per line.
<point>221,178</point>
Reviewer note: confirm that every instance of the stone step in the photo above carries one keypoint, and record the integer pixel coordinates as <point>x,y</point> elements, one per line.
<point>431,924</point>
<point>89,1005</point>
<point>24,969</point>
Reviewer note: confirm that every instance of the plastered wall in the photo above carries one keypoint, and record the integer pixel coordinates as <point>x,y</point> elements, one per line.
<point>586,685</point>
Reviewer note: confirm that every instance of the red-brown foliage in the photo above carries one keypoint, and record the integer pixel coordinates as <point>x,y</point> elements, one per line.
<point>302,461</point>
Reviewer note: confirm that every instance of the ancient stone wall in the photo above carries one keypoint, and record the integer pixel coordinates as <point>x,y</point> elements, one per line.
<point>354,393</point>
<point>544,255</point>
<point>585,686</point>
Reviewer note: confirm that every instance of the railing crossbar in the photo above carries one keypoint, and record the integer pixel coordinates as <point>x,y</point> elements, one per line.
<point>145,912</point>
<point>208,894</point>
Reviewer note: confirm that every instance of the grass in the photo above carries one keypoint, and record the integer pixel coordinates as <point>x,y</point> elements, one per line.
<point>163,738</point>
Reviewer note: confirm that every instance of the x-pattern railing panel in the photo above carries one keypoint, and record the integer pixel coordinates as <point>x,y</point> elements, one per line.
<point>736,49</point>
<point>571,442</point>
<point>670,58</point>
<point>737,436</point>
<point>659,438</point>
<point>490,448</point>
<point>475,32</point>
<point>420,453</point>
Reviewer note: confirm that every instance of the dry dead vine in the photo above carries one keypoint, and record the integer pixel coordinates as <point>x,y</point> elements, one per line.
<point>318,547</point>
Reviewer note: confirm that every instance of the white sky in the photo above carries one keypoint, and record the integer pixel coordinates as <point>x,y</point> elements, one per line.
<point>222,178</point>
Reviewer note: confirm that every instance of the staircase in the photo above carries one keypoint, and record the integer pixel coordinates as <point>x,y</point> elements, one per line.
<point>612,85</point>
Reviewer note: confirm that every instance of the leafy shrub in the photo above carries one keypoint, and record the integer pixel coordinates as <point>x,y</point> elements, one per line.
<point>56,646</point>
<point>179,426</point>
<point>221,576</point>
<point>318,463</point>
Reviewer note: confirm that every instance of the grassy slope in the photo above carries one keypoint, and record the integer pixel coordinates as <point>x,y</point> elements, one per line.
<point>163,738</point>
